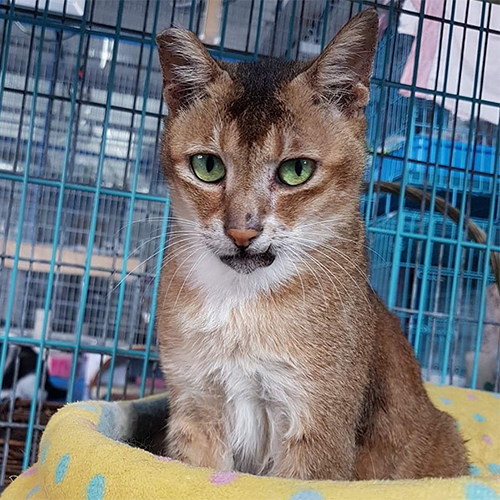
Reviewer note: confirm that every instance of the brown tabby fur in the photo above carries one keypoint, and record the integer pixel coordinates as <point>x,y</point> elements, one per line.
<point>296,369</point>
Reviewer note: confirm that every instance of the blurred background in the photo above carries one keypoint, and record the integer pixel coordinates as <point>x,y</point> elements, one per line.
<point>84,211</point>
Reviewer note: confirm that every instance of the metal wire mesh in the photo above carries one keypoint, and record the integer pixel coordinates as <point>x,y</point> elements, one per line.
<point>83,210</point>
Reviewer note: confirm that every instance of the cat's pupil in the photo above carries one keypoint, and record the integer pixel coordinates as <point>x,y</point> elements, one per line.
<point>298,167</point>
<point>210,163</point>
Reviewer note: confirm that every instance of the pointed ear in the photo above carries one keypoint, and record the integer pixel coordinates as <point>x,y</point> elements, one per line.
<point>340,75</point>
<point>187,67</point>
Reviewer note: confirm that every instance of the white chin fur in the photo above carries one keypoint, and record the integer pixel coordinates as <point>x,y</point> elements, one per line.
<point>219,280</point>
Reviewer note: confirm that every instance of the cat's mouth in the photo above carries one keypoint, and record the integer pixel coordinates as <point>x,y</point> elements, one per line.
<point>245,262</point>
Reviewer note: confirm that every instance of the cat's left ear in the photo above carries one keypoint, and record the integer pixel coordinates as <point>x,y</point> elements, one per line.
<point>340,75</point>
<point>186,66</point>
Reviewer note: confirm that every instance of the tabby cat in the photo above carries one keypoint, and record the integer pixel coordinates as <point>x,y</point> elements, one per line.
<point>279,358</point>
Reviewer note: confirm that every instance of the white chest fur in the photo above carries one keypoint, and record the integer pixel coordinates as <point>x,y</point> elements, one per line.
<point>264,400</point>
<point>264,404</point>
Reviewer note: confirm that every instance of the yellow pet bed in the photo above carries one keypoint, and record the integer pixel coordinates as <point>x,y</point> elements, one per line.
<point>89,451</point>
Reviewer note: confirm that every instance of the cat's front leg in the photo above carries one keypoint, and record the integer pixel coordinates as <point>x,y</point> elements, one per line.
<point>315,456</point>
<point>197,440</point>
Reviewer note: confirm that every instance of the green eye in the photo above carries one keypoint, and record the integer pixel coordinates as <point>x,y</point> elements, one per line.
<point>295,172</point>
<point>208,168</point>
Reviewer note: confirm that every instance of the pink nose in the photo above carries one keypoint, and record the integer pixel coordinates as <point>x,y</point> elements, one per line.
<point>242,238</point>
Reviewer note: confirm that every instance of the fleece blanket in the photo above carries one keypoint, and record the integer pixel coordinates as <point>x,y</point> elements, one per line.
<point>99,451</point>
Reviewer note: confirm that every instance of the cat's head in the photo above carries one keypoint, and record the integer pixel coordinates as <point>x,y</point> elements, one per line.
<point>264,160</point>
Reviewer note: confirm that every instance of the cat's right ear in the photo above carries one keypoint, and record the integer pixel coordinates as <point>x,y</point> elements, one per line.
<point>186,66</point>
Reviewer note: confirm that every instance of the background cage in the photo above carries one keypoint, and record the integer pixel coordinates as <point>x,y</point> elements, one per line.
<point>84,212</point>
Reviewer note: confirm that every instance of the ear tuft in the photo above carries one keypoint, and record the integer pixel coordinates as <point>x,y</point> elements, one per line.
<point>186,65</point>
<point>341,73</point>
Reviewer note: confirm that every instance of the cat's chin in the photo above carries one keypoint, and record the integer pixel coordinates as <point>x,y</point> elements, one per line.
<point>246,263</point>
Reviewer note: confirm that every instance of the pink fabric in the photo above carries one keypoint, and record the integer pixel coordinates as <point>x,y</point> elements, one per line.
<point>428,47</point>
<point>60,366</point>
<point>383,20</point>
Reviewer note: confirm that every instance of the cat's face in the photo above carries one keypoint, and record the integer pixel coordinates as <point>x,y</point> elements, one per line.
<point>264,160</point>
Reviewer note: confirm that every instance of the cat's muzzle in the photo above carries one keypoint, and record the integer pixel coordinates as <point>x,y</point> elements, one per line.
<point>246,262</point>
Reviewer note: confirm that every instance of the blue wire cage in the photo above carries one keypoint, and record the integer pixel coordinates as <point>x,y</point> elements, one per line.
<point>84,211</point>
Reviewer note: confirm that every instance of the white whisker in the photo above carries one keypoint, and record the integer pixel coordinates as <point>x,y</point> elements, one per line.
<point>330,276</point>
<point>188,275</point>
<point>174,253</point>
<point>338,252</point>
<point>313,273</point>
<point>327,221</point>
<point>131,272</point>
<point>337,236</point>
<point>299,276</point>
<point>197,247</point>
<point>337,264</point>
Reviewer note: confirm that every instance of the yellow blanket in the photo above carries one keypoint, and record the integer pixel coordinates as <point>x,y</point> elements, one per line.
<point>84,455</point>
